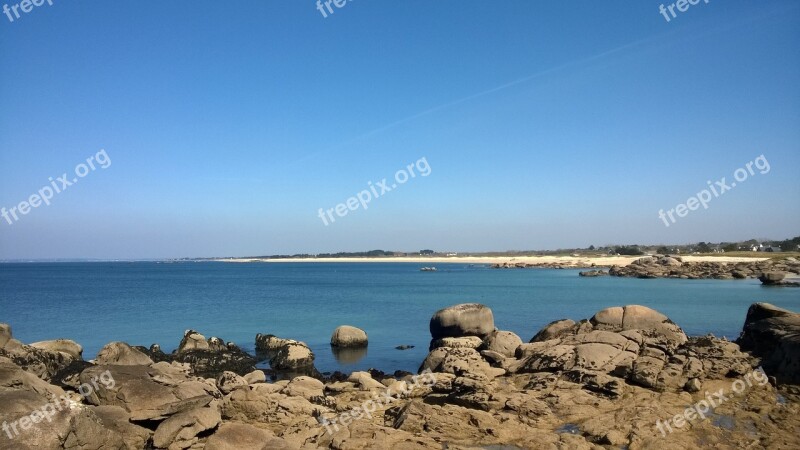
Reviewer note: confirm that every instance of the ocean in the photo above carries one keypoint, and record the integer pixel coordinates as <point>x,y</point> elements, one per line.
<point>142,303</point>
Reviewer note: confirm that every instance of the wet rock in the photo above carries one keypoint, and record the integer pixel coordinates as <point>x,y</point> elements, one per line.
<point>293,355</point>
<point>347,336</point>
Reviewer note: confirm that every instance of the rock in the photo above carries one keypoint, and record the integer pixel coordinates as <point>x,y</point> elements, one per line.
<point>634,317</point>
<point>192,340</point>
<point>503,342</point>
<point>181,430</point>
<point>459,362</point>
<point>271,343</point>
<point>293,355</point>
<point>5,334</point>
<point>21,393</point>
<point>460,342</point>
<point>771,277</point>
<point>87,431</point>
<point>256,376</point>
<point>347,336</point>
<point>693,385</point>
<point>66,346</point>
<point>555,330</point>
<point>117,419</point>
<point>773,334</point>
<point>122,354</point>
<point>365,381</point>
<point>593,273</point>
<point>43,363</point>
<point>229,381</point>
<point>239,436</point>
<point>468,319</point>
<point>306,387</point>
<point>148,393</point>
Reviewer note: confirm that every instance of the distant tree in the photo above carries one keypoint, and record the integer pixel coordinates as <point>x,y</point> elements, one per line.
<point>662,250</point>
<point>730,247</point>
<point>591,247</point>
<point>426,252</point>
<point>631,250</point>
<point>702,247</point>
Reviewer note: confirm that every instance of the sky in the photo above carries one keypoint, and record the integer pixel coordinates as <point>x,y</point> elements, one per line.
<point>235,129</point>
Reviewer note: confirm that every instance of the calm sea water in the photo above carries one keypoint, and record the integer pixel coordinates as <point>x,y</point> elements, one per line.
<point>144,302</point>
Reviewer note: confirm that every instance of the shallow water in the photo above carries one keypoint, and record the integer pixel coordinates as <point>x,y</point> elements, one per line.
<point>145,302</point>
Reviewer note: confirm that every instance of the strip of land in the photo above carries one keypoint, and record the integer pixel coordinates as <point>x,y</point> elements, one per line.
<point>566,261</point>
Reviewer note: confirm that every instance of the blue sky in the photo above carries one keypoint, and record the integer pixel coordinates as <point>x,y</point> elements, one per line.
<point>545,124</point>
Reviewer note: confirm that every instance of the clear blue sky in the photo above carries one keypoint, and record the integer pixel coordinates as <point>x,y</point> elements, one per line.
<point>545,124</point>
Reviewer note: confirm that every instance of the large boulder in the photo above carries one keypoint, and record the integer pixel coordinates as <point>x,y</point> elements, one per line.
<point>270,343</point>
<point>773,334</point>
<point>294,355</point>
<point>503,342</point>
<point>5,334</point>
<point>45,363</point>
<point>22,393</point>
<point>467,319</point>
<point>122,354</point>
<point>634,343</point>
<point>148,393</point>
<point>115,418</point>
<point>192,340</point>
<point>348,336</point>
<point>66,346</point>
<point>181,430</point>
<point>653,325</point>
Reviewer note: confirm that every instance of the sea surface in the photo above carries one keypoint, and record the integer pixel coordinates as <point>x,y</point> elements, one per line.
<point>143,303</point>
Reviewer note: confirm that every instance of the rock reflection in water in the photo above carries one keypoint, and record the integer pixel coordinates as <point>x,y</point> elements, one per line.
<point>349,355</point>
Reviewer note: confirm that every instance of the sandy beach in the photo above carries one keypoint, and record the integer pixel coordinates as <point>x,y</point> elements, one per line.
<point>569,261</point>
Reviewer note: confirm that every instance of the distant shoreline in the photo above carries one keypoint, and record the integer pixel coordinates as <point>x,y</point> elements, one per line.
<point>567,261</point>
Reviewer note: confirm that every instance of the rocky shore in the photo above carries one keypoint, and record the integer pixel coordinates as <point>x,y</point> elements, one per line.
<point>626,378</point>
<point>770,272</point>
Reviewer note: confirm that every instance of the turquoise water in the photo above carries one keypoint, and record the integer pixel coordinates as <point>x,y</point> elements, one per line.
<point>144,302</point>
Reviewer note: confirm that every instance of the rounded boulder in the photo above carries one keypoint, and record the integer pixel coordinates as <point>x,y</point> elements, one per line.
<point>347,336</point>
<point>467,319</point>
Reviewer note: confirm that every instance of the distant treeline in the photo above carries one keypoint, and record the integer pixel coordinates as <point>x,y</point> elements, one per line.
<point>371,253</point>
